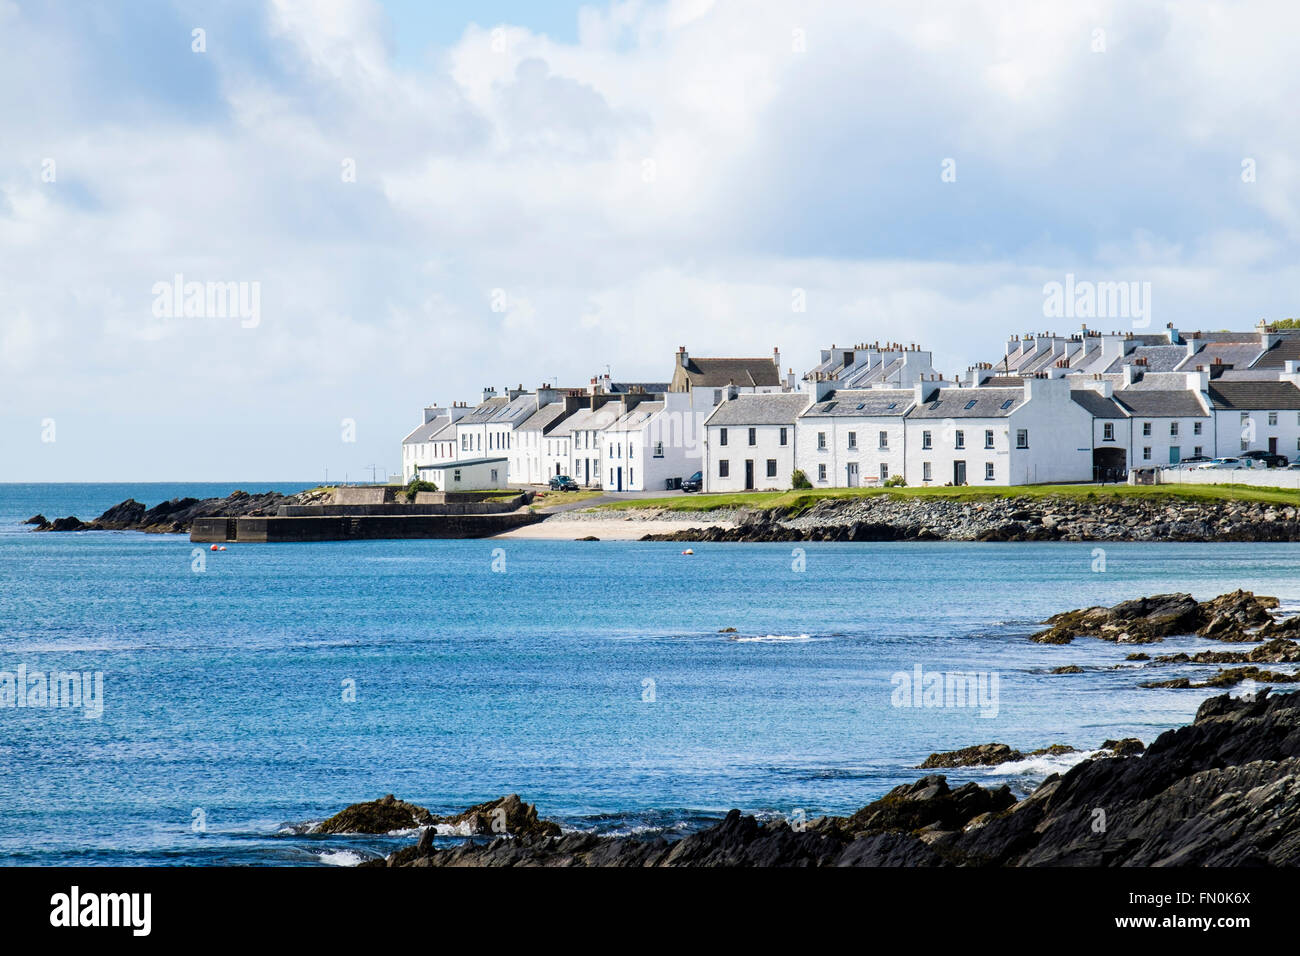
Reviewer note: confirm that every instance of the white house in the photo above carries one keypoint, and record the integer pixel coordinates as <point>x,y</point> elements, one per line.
<point>474,474</point>
<point>853,437</point>
<point>472,428</point>
<point>433,441</point>
<point>1255,416</point>
<point>998,436</point>
<point>584,430</point>
<point>750,441</point>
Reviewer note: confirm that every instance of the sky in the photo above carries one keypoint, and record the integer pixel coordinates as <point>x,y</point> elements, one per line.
<point>387,205</point>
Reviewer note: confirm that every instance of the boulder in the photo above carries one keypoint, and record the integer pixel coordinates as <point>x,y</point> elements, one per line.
<point>377,816</point>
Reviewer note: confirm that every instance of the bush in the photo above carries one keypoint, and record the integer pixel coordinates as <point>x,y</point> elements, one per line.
<point>798,480</point>
<point>897,481</point>
<point>417,485</point>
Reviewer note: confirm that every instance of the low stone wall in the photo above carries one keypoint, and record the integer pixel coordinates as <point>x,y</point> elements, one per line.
<point>1255,477</point>
<point>455,508</point>
<point>356,528</point>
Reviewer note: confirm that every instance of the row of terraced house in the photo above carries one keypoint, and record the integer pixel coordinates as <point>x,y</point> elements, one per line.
<point>1052,408</point>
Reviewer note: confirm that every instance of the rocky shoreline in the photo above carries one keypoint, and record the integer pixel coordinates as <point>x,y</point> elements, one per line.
<point>1222,791</point>
<point>177,515</point>
<point>1100,517</point>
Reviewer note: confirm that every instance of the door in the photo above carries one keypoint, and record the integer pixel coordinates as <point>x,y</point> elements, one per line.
<point>619,486</point>
<point>853,474</point>
<point>749,474</point>
<point>959,472</point>
<point>1175,454</point>
<point>1272,446</point>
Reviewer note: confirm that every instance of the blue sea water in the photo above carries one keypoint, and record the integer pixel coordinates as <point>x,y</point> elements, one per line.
<point>494,666</point>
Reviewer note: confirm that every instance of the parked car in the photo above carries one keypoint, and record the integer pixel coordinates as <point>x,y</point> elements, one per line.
<point>1294,466</point>
<point>1270,459</point>
<point>1226,463</point>
<point>694,483</point>
<point>563,483</point>
<point>1192,461</point>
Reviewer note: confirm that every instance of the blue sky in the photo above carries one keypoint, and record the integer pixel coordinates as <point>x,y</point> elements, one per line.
<point>431,198</point>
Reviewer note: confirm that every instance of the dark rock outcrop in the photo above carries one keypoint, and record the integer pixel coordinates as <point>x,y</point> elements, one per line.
<point>1223,791</point>
<point>176,516</point>
<point>1146,620</point>
<point>377,816</point>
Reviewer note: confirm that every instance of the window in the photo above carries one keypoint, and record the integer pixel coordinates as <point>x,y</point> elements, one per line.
<point>771,468</point>
<point>1108,431</point>
<point>1008,403</point>
<point>1022,437</point>
<point>611,451</point>
<point>631,450</point>
<point>630,475</point>
<point>494,476</point>
<point>970,404</point>
<point>1173,429</point>
<point>1146,453</point>
<point>821,441</point>
<point>884,439</point>
<point>960,440</point>
<point>724,468</point>
<point>659,449</point>
<point>925,471</point>
<point>821,472</point>
<point>1198,451</point>
<point>1272,418</point>
<point>988,438</point>
<point>722,436</point>
<point>1196,428</point>
<point>455,475</point>
<point>853,440</point>
<point>785,436</point>
<point>884,471</point>
<point>1146,428</point>
<point>925,440</point>
<point>988,471</point>
<point>753,436</point>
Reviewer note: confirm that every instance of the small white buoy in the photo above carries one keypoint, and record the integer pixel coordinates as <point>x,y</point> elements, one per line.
<point>688,551</point>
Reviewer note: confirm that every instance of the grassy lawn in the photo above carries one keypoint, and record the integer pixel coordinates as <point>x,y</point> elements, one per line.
<point>797,501</point>
<point>548,499</point>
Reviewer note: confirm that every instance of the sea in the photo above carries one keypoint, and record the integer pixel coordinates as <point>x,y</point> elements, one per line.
<point>233,699</point>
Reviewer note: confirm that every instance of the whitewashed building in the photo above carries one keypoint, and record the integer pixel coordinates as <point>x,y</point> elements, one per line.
<point>433,440</point>
<point>750,441</point>
<point>1032,434</point>
<point>854,437</point>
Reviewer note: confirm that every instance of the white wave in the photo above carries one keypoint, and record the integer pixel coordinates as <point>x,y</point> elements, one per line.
<point>773,638</point>
<point>341,858</point>
<point>1043,765</point>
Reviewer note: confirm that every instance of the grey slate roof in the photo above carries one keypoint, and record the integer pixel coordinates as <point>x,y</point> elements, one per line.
<point>862,403</point>
<point>982,402</point>
<point>619,388</point>
<point>777,408</point>
<point>1238,355</point>
<point>430,430</point>
<point>516,410</point>
<point>1250,396</point>
<point>637,416</point>
<point>484,411</point>
<point>584,419</point>
<point>1095,404</point>
<point>1161,403</point>
<point>717,372</point>
<point>1160,358</point>
<point>542,418</point>
<point>1286,350</point>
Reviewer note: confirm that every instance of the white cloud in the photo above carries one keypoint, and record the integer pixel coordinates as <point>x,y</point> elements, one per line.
<point>666,179</point>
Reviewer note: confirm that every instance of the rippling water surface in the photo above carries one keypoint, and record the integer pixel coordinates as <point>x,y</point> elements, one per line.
<point>224,688</point>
